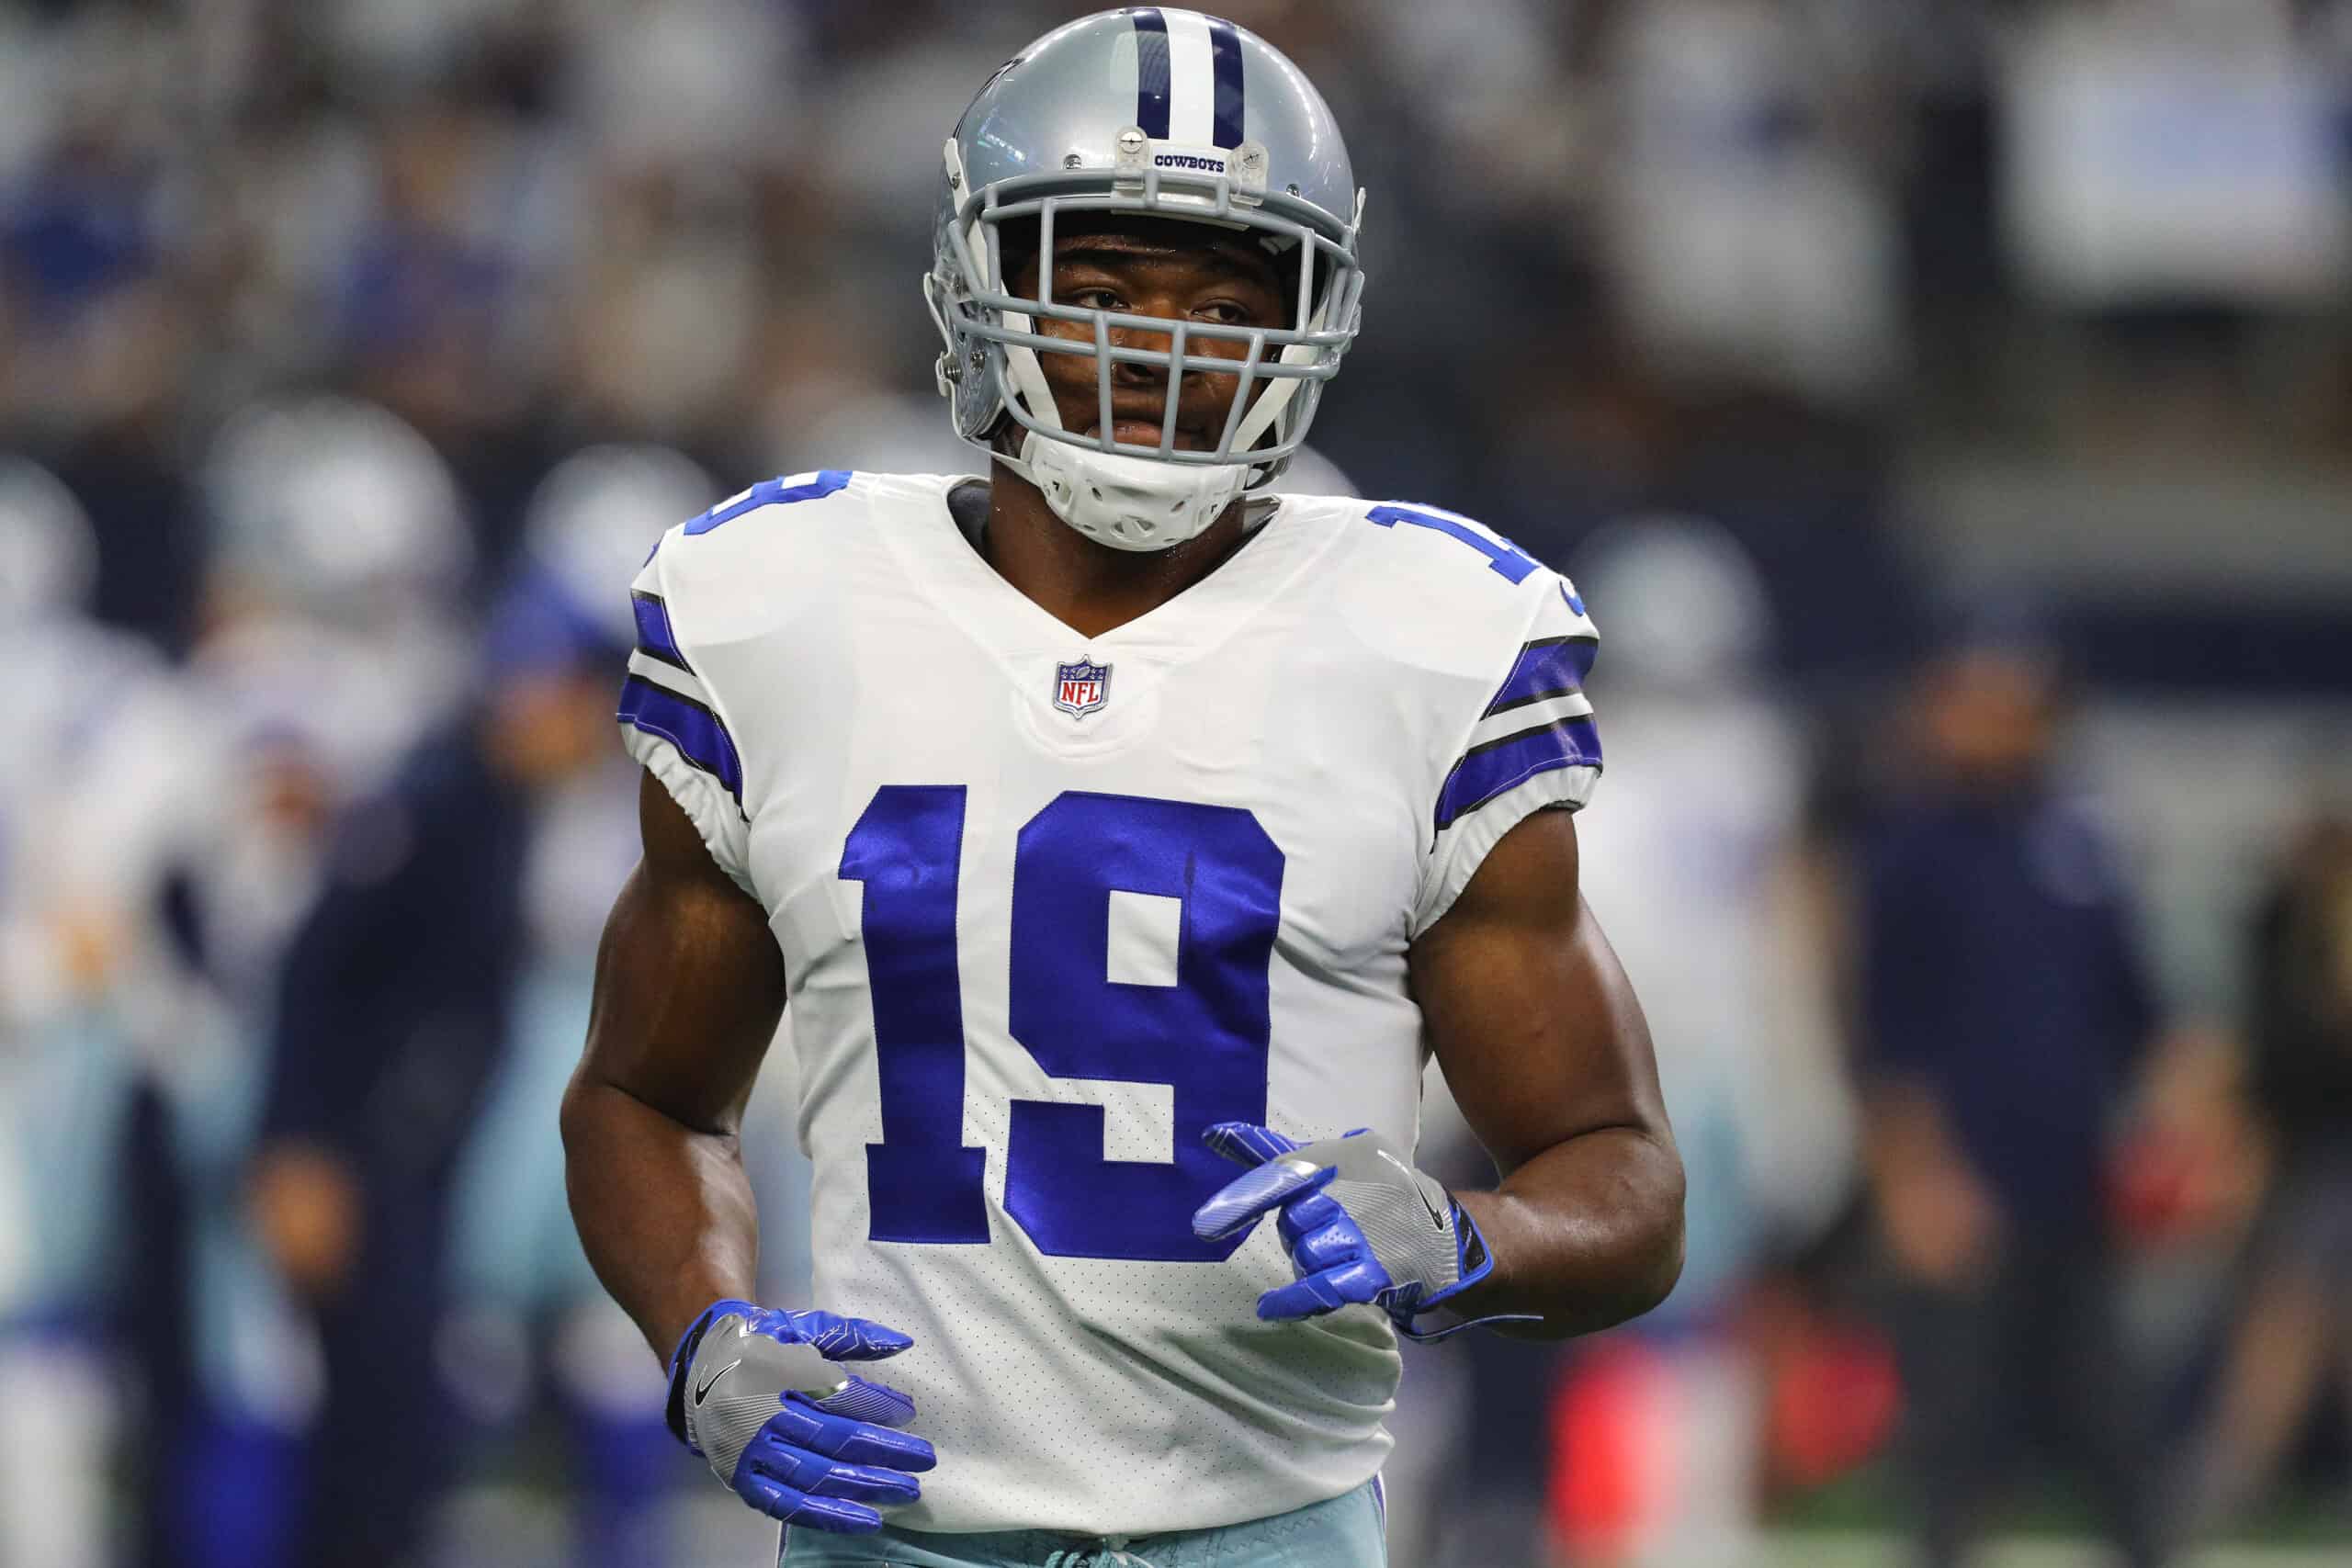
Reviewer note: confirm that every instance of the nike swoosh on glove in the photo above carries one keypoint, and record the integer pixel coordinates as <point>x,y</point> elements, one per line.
<point>1360,1223</point>
<point>756,1393</point>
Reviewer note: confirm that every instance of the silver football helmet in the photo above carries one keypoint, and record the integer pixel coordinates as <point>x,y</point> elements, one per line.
<point>595,519</point>
<point>336,509</point>
<point>1165,113</point>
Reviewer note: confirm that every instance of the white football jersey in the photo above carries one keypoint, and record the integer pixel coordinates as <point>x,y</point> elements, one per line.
<point>1051,905</point>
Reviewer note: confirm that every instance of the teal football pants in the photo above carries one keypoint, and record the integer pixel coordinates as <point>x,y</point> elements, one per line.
<point>1346,1532</point>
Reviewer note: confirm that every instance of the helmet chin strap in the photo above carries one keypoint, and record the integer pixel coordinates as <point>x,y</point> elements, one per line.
<point>1128,504</point>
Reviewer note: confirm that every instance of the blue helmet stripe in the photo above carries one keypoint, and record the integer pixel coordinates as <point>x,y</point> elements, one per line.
<point>1151,71</point>
<point>1225,48</point>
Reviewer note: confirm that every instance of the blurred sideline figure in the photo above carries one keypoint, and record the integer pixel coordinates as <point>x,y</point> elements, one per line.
<point>399,1000</point>
<point>69,1083</point>
<point>341,548</point>
<point>517,1276</point>
<point>2294,1338</point>
<point>336,553</point>
<point>1658,1430</point>
<point>2003,1015</point>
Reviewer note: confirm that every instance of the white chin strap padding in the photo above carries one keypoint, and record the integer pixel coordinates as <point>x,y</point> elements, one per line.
<point>1128,504</point>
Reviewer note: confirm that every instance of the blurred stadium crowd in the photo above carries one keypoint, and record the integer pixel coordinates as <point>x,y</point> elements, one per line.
<point>1946,406</point>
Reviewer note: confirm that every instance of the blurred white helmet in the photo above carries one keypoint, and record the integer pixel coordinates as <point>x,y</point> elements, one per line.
<point>598,514</point>
<point>335,508</point>
<point>49,553</point>
<point>1679,602</point>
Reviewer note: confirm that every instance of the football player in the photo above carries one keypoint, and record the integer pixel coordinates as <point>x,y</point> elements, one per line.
<point>1122,837</point>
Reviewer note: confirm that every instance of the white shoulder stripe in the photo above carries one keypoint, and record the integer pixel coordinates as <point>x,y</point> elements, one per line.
<point>667,676</point>
<point>1531,716</point>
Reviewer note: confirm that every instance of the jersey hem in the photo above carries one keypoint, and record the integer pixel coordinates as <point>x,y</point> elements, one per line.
<point>1137,1531</point>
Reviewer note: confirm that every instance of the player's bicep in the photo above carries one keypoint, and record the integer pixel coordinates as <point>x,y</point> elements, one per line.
<point>690,983</point>
<point>1533,1021</point>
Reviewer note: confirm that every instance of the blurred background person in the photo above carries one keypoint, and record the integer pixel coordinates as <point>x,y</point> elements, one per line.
<point>327,639</point>
<point>2292,1347</point>
<point>1660,1431</point>
<point>525,1325</point>
<point>410,1183</point>
<point>394,1012</point>
<point>2003,1015</point>
<point>69,1077</point>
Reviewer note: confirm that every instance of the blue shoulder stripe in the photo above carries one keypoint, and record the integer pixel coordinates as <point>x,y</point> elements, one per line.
<point>1499,766</point>
<point>1548,667</point>
<point>654,638</point>
<point>684,722</point>
<point>771,492</point>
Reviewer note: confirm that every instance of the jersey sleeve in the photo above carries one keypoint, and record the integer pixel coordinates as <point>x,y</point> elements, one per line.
<point>1534,745</point>
<point>672,724</point>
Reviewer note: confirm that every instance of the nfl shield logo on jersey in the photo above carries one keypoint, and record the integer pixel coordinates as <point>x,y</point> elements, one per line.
<point>1080,688</point>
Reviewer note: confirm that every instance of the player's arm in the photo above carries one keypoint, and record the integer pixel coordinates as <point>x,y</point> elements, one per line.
<point>690,986</point>
<point>1549,1058</point>
<point>1547,1052</point>
<point>1542,1043</point>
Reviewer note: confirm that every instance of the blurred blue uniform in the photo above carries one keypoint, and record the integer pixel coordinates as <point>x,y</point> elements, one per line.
<point>528,1313</point>
<point>1999,978</point>
<point>393,1008</point>
<point>1998,975</point>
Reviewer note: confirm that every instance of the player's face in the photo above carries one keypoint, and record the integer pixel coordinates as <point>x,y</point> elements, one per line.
<point>1168,268</point>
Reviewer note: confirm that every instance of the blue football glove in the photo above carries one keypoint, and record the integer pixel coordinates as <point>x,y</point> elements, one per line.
<point>1360,1225</point>
<point>756,1393</point>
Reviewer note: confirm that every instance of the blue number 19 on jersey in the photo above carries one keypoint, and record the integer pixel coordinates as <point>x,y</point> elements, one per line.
<point>1207,1036</point>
